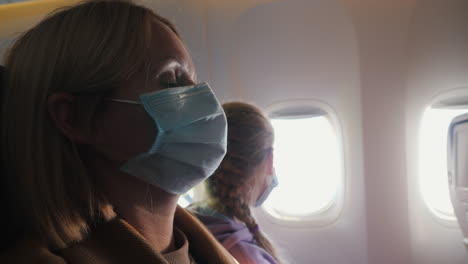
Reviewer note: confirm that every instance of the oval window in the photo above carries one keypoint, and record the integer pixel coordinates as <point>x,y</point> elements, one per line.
<point>308,159</point>
<point>433,136</point>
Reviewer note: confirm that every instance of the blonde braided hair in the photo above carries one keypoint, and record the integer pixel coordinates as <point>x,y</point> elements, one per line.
<point>250,141</point>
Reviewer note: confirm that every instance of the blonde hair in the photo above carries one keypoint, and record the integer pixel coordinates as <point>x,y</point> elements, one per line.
<point>87,50</point>
<point>250,142</point>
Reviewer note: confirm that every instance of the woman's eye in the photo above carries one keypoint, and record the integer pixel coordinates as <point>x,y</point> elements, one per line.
<point>168,79</point>
<point>176,80</point>
<point>171,84</point>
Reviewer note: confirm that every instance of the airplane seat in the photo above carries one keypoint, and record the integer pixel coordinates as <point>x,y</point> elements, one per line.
<point>3,188</point>
<point>457,165</point>
<point>12,226</point>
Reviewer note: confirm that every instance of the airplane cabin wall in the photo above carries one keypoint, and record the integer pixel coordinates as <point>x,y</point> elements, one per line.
<point>438,62</point>
<point>254,53</point>
<point>278,50</point>
<point>382,32</point>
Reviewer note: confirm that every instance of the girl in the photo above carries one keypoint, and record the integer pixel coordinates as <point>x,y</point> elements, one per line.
<point>244,179</point>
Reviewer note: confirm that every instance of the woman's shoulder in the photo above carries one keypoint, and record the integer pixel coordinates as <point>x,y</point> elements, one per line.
<point>29,251</point>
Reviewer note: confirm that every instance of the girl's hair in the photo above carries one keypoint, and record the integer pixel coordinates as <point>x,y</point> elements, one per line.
<point>87,50</point>
<point>250,142</point>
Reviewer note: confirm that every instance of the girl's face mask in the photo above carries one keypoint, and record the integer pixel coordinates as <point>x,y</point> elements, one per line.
<point>266,193</point>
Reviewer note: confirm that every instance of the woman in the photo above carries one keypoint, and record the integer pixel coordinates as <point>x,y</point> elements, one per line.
<point>101,120</point>
<point>244,179</point>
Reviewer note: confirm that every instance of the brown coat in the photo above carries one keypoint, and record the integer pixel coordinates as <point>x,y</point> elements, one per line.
<point>117,242</point>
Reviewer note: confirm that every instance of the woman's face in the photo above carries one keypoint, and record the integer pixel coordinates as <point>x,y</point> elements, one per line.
<point>123,131</point>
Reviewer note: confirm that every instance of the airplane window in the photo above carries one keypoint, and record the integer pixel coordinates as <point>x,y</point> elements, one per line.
<point>308,164</point>
<point>460,148</point>
<point>433,159</point>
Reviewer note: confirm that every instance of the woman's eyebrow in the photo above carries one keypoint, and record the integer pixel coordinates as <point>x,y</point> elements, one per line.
<point>164,65</point>
<point>170,63</point>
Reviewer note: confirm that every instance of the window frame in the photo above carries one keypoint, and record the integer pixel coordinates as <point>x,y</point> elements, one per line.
<point>437,101</point>
<point>332,212</point>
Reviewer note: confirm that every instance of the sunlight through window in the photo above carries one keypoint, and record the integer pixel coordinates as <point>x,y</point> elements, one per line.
<point>433,159</point>
<point>308,164</point>
<point>186,199</point>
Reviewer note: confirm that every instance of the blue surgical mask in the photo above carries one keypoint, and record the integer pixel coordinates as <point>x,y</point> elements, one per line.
<point>266,193</point>
<point>191,140</point>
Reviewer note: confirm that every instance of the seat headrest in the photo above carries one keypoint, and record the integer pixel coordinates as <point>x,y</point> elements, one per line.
<point>20,16</point>
<point>2,70</point>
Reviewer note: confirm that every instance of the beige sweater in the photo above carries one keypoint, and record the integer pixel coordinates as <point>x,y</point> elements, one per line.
<point>117,242</point>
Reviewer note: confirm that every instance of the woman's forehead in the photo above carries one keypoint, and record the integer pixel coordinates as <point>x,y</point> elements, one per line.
<point>167,46</point>
<point>166,54</point>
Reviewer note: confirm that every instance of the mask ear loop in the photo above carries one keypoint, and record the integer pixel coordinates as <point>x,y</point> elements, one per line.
<point>123,101</point>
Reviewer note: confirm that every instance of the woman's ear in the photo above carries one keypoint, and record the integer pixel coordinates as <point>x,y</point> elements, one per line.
<point>62,111</point>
